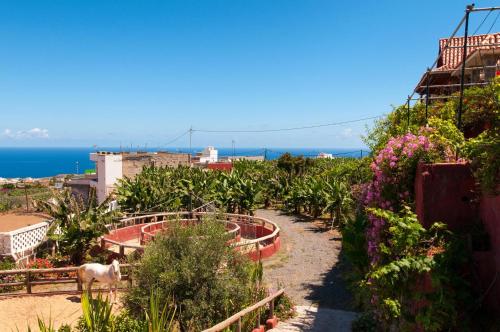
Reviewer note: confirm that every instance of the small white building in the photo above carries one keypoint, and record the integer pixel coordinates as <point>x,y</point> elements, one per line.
<point>109,170</point>
<point>323,155</point>
<point>209,155</point>
<point>113,166</point>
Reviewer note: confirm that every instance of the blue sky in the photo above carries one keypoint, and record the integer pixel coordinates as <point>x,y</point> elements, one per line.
<point>83,73</point>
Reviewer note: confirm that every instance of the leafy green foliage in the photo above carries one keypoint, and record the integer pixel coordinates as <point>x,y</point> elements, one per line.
<point>97,316</point>
<point>302,185</point>
<point>76,224</point>
<point>193,269</point>
<point>484,151</point>
<point>481,109</point>
<point>415,281</point>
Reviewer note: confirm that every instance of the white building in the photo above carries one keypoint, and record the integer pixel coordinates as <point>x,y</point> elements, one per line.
<point>109,170</point>
<point>113,166</point>
<point>323,155</point>
<point>209,155</point>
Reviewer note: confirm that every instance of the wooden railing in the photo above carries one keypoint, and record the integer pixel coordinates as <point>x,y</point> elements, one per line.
<point>237,318</point>
<point>31,277</point>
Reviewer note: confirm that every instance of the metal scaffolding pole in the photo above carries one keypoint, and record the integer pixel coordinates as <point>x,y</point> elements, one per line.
<point>408,114</point>
<point>468,10</point>
<point>427,95</point>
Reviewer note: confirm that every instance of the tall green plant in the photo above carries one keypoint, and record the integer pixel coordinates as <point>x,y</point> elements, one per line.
<point>77,224</point>
<point>206,277</point>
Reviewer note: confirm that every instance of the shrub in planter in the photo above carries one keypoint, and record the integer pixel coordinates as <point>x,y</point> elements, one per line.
<point>193,269</point>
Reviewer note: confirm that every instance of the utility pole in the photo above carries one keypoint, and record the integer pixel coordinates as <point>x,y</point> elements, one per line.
<point>190,140</point>
<point>468,10</point>
<point>26,196</point>
<point>265,153</point>
<point>361,153</point>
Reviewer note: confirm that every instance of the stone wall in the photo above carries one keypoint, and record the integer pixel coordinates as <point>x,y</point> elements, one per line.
<point>132,164</point>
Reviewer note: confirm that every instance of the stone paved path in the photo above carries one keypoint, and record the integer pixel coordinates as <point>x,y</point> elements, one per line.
<point>309,267</point>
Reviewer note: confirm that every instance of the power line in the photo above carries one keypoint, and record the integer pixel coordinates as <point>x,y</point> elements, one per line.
<point>177,137</point>
<point>287,129</point>
<point>481,24</point>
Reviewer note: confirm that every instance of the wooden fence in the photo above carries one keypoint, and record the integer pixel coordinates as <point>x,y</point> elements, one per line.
<point>26,279</point>
<point>236,318</point>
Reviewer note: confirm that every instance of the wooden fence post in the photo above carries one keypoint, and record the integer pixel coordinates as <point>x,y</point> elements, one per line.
<point>257,246</point>
<point>122,251</point>
<point>271,309</point>
<point>238,328</point>
<point>28,282</point>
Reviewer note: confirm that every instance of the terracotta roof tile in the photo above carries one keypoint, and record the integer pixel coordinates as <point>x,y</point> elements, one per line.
<point>452,57</point>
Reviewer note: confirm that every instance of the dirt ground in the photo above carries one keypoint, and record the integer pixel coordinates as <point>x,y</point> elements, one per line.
<point>19,312</point>
<point>309,263</point>
<point>13,221</point>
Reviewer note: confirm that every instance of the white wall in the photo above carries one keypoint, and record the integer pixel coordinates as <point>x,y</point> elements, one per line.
<point>22,241</point>
<point>109,170</point>
<point>209,155</point>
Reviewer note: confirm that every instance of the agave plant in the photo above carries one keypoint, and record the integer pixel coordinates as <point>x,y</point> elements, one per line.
<point>159,319</point>
<point>97,314</point>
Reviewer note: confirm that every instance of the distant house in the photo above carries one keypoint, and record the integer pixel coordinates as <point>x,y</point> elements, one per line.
<point>481,66</point>
<point>208,155</point>
<point>323,155</point>
<point>113,166</point>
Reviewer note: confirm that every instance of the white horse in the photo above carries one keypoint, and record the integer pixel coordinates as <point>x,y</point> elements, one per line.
<point>108,274</point>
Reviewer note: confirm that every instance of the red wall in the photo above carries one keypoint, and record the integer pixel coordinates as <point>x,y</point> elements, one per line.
<point>125,234</point>
<point>488,262</point>
<point>220,166</point>
<point>445,192</point>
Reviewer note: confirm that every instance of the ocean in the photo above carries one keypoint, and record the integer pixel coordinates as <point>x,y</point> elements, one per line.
<point>46,162</point>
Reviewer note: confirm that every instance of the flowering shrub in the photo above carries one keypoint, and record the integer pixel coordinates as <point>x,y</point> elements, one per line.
<point>401,253</point>
<point>394,175</point>
<point>40,263</point>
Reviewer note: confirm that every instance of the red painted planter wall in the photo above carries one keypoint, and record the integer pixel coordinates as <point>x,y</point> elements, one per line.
<point>125,234</point>
<point>488,263</point>
<point>445,192</point>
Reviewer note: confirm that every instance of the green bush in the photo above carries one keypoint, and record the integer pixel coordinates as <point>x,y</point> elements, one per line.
<point>193,269</point>
<point>484,153</point>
